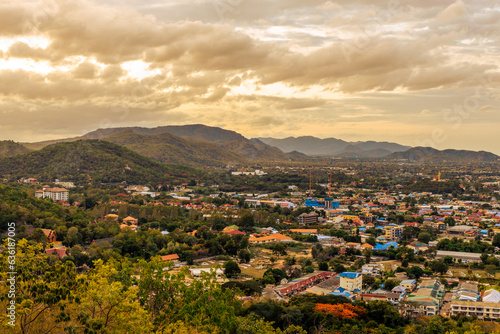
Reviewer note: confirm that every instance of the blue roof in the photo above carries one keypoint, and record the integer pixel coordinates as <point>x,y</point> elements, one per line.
<point>379,227</point>
<point>345,294</point>
<point>349,275</point>
<point>341,289</point>
<point>386,246</point>
<point>483,231</point>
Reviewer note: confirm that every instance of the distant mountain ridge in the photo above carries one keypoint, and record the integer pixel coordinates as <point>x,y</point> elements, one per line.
<point>185,144</point>
<point>335,147</point>
<point>429,154</point>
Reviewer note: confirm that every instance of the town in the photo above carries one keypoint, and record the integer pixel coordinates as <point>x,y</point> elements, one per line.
<point>425,243</point>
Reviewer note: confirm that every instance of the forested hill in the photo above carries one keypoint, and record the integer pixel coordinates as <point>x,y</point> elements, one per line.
<point>167,148</point>
<point>8,148</point>
<point>91,161</point>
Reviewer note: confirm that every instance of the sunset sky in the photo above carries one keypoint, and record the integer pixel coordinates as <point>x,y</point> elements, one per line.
<point>420,73</point>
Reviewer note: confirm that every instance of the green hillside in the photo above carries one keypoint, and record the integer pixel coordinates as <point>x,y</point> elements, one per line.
<point>91,161</point>
<point>167,148</point>
<point>8,148</point>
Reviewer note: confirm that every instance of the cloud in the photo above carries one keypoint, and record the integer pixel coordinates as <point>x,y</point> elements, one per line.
<point>280,59</point>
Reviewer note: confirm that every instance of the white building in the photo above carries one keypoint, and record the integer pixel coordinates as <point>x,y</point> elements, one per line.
<point>56,194</point>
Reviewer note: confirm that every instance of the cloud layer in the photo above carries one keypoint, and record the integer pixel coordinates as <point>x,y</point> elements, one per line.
<point>351,69</point>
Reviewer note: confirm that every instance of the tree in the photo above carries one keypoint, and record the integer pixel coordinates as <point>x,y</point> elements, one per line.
<point>231,269</point>
<point>168,299</point>
<point>496,240</point>
<point>372,241</point>
<point>323,266</point>
<point>367,253</point>
<point>404,263</point>
<point>439,266</point>
<point>424,237</point>
<point>244,256</point>
<point>279,249</point>
<point>450,221</point>
<point>415,272</point>
<point>390,284</point>
<point>247,222</point>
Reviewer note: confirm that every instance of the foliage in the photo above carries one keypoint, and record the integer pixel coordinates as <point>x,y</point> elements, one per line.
<point>341,311</point>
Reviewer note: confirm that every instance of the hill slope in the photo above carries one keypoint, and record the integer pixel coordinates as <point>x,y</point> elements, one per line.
<point>9,148</point>
<point>237,147</point>
<point>91,161</point>
<point>334,147</point>
<point>167,148</point>
<point>429,154</point>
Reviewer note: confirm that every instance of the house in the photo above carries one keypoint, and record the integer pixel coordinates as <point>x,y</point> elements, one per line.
<point>51,235</point>
<point>59,251</point>
<point>276,237</point>
<point>351,281</point>
<point>111,216</point>
<point>172,257</point>
<point>371,269</point>
<point>131,220</point>
<point>409,284</point>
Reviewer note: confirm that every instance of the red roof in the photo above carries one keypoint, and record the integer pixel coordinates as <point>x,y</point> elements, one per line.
<point>233,232</point>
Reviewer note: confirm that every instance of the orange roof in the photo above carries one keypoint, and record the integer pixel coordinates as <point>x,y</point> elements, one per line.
<point>304,230</point>
<point>275,236</point>
<point>170,257</point>
<point>366,245</point>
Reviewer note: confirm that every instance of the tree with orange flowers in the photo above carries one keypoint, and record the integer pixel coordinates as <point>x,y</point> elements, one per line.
<point>342,311</point>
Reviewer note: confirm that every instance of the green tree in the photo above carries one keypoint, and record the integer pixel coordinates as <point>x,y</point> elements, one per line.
<point>231,269</point>
<point>496,240</point>
<point>244,255</point>
<point>424,237</point>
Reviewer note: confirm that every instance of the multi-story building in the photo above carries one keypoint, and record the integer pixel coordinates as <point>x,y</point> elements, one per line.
<point>428,297</point>
<point>393,232</point>
<point>308,218</point>
<point>351,281</point>
<point>483,310</point>
<point>56,194</point>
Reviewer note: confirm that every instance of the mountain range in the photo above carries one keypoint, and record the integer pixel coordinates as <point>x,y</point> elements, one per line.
<point>429,154</point>
<point>196,145</point>
<point>313,146</point>
<point>199,145</point>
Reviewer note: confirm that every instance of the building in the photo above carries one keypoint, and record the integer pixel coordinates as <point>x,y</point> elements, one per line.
<point>409,284</point>
<point>111,216</point>
<point>130,220</point>
<point>197,272</point>
<point>301,284</point>
<point>351,281</point>
<point>275,237</point>
<point>483,310</point>
<point>172,257</point>
<point>371,269</point>
<point>308,218</point>
<point>466,292</point>
<point>464,256</point>
<point>428,297</point>
<point>56,194</point>
<point>393,233</point>
<point>51,235</point>
<point>491,296</point>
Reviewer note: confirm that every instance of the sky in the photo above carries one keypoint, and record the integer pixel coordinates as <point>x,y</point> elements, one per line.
<point>419,73</point>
